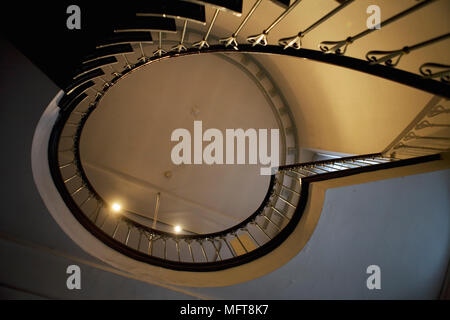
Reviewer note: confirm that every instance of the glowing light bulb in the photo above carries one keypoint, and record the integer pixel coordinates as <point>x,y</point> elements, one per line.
<point>116,207</point>
<point>177,229</point>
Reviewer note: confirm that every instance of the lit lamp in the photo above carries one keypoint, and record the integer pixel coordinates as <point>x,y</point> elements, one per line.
<point>116,207</point>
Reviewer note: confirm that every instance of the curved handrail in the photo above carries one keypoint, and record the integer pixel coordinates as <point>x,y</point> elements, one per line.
<point>285,199</point>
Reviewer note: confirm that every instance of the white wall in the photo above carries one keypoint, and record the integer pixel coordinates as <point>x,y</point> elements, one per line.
<point>401,225</point>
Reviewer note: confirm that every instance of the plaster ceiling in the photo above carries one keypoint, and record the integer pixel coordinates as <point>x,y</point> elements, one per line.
<point>126,143</point>
<point>337,109</point>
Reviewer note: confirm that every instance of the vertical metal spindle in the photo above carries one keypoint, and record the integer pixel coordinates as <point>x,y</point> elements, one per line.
<point>155,216</point>
<point>178,249</point>
<point>143,58</point>
<point>251,236</point>
<point>231,41</point>
<point>215,248</point>
<point>261,38</point>
<point>128,235</point>
<point>296,41</point>
<point>269,220</point>
<point>204,42</point>
<point>165,248</point>
<point>180,46</point>
<point>150,245</point>
<point>240,242</point>
<point>115,229</point>
<point>229,248</point>
<point>190,249</point>
<point>97,212</point>
<point>140,238</point>
<point>128,65</point>
<point>259,227</point>
<point>159,52</point>
<point>203,250</point>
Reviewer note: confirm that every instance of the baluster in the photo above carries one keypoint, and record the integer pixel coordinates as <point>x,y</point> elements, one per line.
<point>296,41</point>
<point>340,47</point>
<point>240,242</point>
<point>251,236</point>
<point>71,178</point>
<point>231,41</point>
<point>229,248</point>
<point>268,219</point>
<point>204,42</point>
<point>287,188</point>
<point>280,213</point>
<point>285,200</point>
<point>78,190</point>
<point>143,58</point>
<point>115,229</point>
<point>386,57</point>
<point>180,46</point>
<point>426,124</point>
<point>178,249</point>
<point>412,136</point>
<point>261,39</point>
<point>203,250</point>
<point>215,248</point>
<point>128,235</point>
<point>436,70</point>
<point>190,249</point>
<point>159,52</point>
<point>140,239</point>
<point>150,244</point>
<point>259,227</point>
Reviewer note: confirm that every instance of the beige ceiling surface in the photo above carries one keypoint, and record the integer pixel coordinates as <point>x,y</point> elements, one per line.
<point>126,144</point>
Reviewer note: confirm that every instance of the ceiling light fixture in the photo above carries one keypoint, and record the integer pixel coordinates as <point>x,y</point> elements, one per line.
<point>116,207</point>
<point>177,229</point>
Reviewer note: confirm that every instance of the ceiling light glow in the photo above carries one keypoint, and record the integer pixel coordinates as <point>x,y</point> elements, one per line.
<point>116,207</point>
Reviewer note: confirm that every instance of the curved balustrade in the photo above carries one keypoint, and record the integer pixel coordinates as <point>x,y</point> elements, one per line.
<point>282,207</point>
<point>261,232</point>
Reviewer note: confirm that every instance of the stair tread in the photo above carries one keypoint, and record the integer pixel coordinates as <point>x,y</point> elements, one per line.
<point>109,51</point>
<point>68,98</point>
<point>148,24</point>
<point>86,67</point>
<point>235,6</point>
<point>175,9</point>
<point>125,37</point>
<point>84,78</point>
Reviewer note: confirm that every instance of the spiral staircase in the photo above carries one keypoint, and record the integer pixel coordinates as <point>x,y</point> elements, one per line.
<point>148,34</point>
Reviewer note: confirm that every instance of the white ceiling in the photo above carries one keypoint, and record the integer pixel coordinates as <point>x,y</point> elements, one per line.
<point>337,109</point>
<point>126,146</point>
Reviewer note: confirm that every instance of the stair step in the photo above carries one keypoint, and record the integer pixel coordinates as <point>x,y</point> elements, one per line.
<point>283,3</point>
<point>126,37</point>
<point>94,64</point>
<point>235,6</point>
<point>174,9</point>
<point>158,24</point>
<point>84,78</point>
<point>109,51</point>
<point>68,98</point>
<point>75,101</point>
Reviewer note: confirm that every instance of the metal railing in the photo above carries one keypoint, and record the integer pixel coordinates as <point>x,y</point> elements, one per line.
<point>276,217</point>
<point>282,208</point>
<point>428,133</point>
